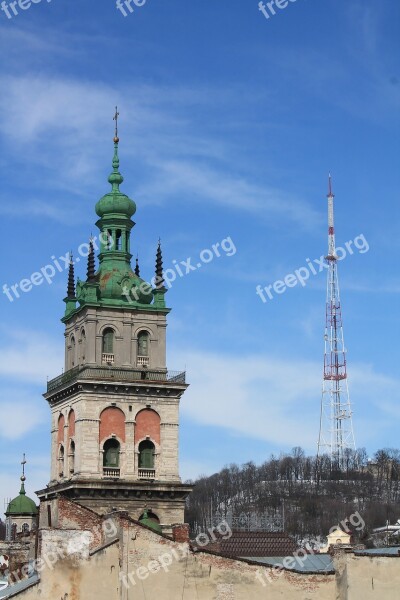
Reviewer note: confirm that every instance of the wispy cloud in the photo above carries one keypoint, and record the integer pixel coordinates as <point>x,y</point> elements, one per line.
<point>176,155</point>
<point>21,413</point>
<point>29,356</point>
<point>274,399</point>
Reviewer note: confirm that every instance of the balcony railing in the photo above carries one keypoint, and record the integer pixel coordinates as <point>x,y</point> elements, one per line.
<point>107,359</point>
<point>115,374</point>
<point>108,472</point>
<point>143,361</point>
<point>147,473</point>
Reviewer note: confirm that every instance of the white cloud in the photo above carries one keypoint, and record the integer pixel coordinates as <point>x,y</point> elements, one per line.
<point>176,154</point>
<point>29,356</point>
<point>20,415</point>
<point>278,400</point>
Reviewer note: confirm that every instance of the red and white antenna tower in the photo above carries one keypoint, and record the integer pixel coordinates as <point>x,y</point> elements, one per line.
<point>336,426</point>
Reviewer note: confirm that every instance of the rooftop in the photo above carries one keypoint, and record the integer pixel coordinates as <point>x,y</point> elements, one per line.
<point>254,543</point>
<point>310,563</point>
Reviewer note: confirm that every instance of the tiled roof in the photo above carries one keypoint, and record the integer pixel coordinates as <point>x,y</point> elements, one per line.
<point>254,543</point>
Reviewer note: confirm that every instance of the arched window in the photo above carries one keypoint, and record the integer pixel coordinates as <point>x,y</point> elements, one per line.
<point>61,461</point>
<point>83,345</point>
<point>108,345</point>
<point>118,239</point>
<point>150,516</point>
<point>72,456</point>
<point>110,242</point>
<point>111,450</point>
<point>25,528</point>
<point>72,361</point>
<point>143,344</point>
<point>71,443</point>
<point>146,455</point>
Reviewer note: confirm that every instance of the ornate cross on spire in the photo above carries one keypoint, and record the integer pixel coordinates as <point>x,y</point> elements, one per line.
<point>115,118</point>
<point>23,478</point>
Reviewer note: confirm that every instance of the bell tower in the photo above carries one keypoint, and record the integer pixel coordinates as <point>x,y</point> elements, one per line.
<point>115,409</point>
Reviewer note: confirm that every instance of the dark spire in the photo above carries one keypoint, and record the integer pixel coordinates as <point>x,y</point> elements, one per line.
<point>23,478</point>
<point>91,267</point>
<point>159,280</point>
<point>71,279</point>
<point>137,270</point>
<point>116,178</point>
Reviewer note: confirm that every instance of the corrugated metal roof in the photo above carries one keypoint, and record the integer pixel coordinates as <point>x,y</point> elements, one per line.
<point>19,587</point>
<point>391,551</point>
<point>310,563</point>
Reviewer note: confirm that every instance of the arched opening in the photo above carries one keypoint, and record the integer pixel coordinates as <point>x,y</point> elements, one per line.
<point>146,460</point>
<point>111,452</point>
<point>72,457</point>
<point>25,528</point>
<point>72,352</point>
<point>108,346</point>
<point>83,346</point>
<point>143,349</point>
<point>61,461</point>
<point>109,242</point>
<point>118,239</point>
<point>150,516</point>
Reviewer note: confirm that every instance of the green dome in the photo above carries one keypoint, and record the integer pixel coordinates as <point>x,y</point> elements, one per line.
<point>115,203</point>
<point>22,505</point>
<point>145,520</point>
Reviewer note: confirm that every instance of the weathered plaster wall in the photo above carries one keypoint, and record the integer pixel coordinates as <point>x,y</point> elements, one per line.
<point>368,578</point>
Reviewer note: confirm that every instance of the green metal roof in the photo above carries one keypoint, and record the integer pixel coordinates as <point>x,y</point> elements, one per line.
<point>145,520</point>
<point>22,504</point>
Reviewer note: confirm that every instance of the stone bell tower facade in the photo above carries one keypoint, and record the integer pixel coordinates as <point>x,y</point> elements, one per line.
<point>115,409</point>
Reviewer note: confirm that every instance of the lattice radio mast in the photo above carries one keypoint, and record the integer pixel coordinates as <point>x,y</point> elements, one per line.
<point>336,426</point>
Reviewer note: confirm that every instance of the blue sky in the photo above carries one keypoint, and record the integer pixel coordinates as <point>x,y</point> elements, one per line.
<point>229,124</point>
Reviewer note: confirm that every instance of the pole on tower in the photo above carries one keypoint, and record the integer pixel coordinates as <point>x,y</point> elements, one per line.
<point>336,427</point>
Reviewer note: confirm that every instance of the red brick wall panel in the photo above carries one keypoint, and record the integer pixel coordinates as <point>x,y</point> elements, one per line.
<point>61,423</point>
<point>75,516</point>
<point>112,420</point>
<point>71,423</point>
<point>148,423</point>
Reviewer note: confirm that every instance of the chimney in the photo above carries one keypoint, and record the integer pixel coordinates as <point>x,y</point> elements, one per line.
<point>180,533</point>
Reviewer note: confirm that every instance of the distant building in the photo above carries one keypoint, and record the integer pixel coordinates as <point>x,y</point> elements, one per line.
<point>21,514</point>
<point>338,537</point>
